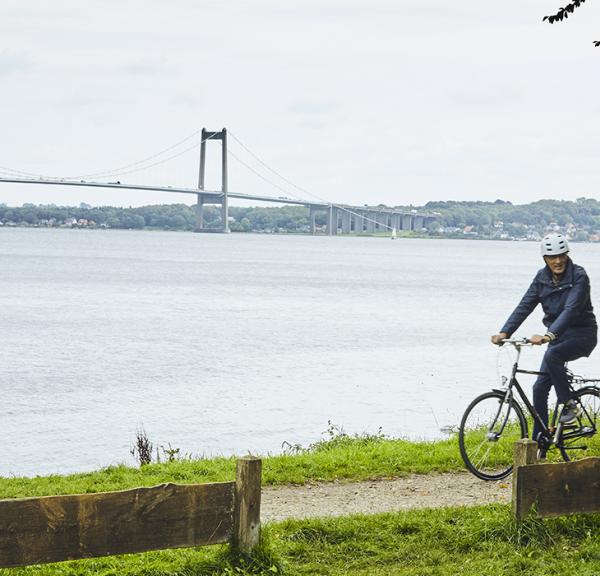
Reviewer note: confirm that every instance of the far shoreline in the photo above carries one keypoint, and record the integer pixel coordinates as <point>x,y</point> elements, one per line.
<point>400,236</point>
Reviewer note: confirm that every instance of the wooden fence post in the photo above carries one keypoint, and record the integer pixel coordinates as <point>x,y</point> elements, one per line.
<point>247,504</point>
<point>524,455</point>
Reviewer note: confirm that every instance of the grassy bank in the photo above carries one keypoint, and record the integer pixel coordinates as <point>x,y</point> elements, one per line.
<point>339,457</point>
<point>469,542</point>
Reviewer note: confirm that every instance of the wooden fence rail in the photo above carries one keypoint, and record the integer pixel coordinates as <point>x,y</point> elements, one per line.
<point>57,528</point>
<point>553,489</point>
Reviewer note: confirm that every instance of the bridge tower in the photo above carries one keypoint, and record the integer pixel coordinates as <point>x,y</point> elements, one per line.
<point>202,198</point>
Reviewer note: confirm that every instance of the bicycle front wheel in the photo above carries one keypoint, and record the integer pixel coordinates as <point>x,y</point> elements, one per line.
<point>488,431</point>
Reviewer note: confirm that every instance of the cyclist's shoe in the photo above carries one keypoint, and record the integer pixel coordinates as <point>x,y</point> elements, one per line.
<point>570,412</point>
<point>543,442</point>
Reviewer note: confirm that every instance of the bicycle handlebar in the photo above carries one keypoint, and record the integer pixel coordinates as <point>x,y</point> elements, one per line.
<point>517,342</point>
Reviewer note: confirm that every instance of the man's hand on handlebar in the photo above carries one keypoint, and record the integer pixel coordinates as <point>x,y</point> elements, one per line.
<point>538,340</point>
<point>535,340</point>
<point>497,339</point>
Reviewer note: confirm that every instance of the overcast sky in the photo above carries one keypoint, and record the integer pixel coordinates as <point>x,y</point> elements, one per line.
<point>379,101</point>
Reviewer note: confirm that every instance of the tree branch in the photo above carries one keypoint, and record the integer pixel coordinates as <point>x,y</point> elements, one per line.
<point>564,12</point>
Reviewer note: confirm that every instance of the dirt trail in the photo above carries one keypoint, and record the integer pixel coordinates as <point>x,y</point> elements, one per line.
<point>373,496</point>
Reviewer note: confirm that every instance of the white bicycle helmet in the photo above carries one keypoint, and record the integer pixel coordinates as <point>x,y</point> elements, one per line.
<point>554,244</point>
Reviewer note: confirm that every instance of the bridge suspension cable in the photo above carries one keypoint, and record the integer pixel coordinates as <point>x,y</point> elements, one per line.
<point>300,188</point>
<point>12,171</point>
<point>122,170</point>
<point>286,180</point>
<point>140,169</point>
<point>236,157</point>
<point>117,171</point>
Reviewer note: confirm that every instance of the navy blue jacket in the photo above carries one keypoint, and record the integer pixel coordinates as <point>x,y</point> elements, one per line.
<point>566,306</point>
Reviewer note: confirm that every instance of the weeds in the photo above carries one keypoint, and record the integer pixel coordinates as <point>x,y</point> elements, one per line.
<point>335,437</point>
<point>288,449</point>
<point>171,453</point>
<point>263,559</point>
<point>142,447</point>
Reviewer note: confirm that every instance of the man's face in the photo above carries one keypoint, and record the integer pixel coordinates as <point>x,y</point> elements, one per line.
<point>557,264</point>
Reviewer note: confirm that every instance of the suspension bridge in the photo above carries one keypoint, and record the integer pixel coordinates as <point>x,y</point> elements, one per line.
<point>340,218</point>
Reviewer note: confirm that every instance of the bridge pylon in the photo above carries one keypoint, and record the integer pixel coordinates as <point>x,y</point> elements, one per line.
<point>205,199</point>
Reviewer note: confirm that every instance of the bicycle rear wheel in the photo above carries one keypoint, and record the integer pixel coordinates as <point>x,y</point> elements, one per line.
<point>578,441</point>
<point>488,431</point>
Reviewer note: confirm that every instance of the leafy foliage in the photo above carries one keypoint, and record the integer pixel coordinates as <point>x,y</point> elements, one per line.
<point>580,218</point>
<point>165,217</point>
<point>563,14</point>
<point>491,218</point>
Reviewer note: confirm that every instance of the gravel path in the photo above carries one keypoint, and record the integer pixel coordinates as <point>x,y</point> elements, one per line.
<point>373,496</point>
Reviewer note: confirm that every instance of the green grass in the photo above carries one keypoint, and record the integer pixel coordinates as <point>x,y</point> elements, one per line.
<point>212,560</point>
<point>472,541</point>
<point>339,457</point>
<point>466,541</point>
<point>469,541</point>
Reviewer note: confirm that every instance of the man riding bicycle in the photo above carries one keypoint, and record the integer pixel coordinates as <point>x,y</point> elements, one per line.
<point>563,289</point>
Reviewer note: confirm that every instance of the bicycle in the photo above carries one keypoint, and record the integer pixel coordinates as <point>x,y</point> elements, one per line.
<point>495,420</point>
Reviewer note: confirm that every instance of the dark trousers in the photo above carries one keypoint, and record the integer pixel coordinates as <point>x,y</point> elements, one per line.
<point>568,348</point>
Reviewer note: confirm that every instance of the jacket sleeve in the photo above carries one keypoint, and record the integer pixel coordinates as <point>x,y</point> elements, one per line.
<point>576,301</point>
<point>525,307</point>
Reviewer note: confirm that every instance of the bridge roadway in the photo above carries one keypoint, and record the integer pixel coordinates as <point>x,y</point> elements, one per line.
<point>340,218</point>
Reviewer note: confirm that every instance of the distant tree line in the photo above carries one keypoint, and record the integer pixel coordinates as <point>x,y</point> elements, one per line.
<point>487,219</point>
<point>583,211</point>
<point>163,216</point>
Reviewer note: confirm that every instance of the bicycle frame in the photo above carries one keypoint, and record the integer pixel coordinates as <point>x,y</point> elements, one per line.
<point>496,419</point>
<point>547,432</point>
<point>514,383</point>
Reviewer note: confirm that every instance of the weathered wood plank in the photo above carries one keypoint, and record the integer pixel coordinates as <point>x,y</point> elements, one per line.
<point>57,528</point>
<point>525,453</point>
<point>247,503</point>
<point>559,489</point>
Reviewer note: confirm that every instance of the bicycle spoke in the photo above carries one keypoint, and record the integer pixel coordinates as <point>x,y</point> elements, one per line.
<point>481,462</point>
<point>488,430</point>
<point>481,445</point>
<point>582,440</point>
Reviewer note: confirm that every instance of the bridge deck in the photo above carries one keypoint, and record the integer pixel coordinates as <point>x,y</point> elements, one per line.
<point>213,194</point>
